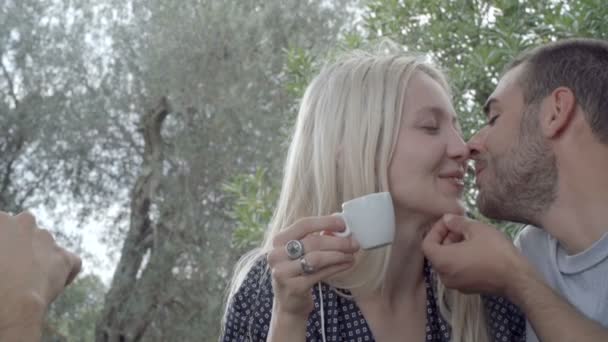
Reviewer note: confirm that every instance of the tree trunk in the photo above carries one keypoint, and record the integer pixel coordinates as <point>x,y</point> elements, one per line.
<point>120,321</point>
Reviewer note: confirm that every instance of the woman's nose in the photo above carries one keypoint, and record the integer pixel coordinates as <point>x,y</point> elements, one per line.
<point>476,143</point>
<point>458,149</point>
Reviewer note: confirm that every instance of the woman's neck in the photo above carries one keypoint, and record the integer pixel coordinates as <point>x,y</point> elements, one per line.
<point>404,277</point>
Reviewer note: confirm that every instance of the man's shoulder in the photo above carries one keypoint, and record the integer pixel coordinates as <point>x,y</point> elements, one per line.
<point>531,236</point>
<point>533,242</point>
<point>536,245</point>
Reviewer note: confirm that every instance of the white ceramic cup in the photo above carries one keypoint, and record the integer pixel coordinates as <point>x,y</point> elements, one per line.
<point>370,219</point>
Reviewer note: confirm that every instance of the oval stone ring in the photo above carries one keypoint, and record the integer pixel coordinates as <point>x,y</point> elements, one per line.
<point>294,249</point>
<point>306,267</point>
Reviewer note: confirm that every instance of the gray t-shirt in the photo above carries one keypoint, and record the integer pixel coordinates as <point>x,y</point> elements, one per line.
<point>581,278</point>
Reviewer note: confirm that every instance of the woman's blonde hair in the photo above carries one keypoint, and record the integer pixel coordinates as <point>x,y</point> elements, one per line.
<point>342,145</point>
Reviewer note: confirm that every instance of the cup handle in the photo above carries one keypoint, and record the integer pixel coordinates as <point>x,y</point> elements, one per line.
<point>346,232</point>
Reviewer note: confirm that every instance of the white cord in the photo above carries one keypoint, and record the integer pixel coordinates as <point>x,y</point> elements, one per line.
<point>322,313</point>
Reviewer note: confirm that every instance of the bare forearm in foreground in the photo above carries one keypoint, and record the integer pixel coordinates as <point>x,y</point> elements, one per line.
<point>551,316</point>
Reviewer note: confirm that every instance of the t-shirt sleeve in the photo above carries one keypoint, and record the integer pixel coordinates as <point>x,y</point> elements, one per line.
<point>248,313</point>
<point>527,237</point>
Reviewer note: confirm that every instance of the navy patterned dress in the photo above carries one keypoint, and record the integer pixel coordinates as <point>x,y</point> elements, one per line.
<point>250,311</point>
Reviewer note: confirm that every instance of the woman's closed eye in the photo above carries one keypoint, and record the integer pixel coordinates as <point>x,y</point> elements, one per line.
<point>431,127</point>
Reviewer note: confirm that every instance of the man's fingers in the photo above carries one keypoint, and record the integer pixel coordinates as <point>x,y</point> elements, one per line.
<point>457,224</point>
<point>453,238</point>
<point>45,237</point>
<point>5,215</point>
<point>26,220</point>
<point>75,267</point>
<point>437,233</point>
<point>442,246</point>
<point>434,238</point>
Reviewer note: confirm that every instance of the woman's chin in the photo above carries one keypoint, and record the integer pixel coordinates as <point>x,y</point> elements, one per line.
<point>455,208</point>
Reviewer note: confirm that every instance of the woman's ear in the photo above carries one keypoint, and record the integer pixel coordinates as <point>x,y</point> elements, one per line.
<point>561,107</point>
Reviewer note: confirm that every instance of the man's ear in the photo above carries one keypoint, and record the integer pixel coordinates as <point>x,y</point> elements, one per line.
<point>559,111</point>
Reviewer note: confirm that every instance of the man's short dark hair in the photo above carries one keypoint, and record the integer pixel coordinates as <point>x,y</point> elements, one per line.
<point>580,64</point>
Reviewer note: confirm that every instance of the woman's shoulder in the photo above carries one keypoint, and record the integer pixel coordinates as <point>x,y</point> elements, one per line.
<point>257,273</point>
<point>254,282</point>
<point>250,305</point>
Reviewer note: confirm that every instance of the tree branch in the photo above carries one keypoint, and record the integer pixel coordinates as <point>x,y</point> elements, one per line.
<point>11,86</point>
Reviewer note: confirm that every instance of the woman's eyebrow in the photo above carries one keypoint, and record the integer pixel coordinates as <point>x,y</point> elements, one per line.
<point>438,112</point>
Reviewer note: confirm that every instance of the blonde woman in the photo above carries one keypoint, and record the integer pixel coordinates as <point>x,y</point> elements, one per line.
<point>369,122</point>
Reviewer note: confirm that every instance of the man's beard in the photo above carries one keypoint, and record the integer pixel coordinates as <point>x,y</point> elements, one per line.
<point>524,184</point>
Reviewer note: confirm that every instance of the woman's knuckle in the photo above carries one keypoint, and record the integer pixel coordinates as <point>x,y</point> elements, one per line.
<point>271,257</point>
<point>277,241</point>
<point>275,274</point>
<point>312,242</point>
<point>301,222</point>
<point>314,259</point>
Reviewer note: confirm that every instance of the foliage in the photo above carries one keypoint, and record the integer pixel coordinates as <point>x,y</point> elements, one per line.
<point>254,198</point>
<point>55,138</point>
<point>255,195</point>
<point>73,315</point>
<point>220,67</point>
<point>300,67</point>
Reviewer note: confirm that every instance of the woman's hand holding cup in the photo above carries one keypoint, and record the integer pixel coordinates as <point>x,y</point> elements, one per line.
<point>302,257</point>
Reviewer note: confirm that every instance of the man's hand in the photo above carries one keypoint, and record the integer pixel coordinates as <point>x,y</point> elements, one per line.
<point>473,257</point>
<point>34,270</point>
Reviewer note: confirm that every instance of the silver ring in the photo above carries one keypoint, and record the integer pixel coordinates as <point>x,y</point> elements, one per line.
<point>294,249</point>
<point>306,267</point>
